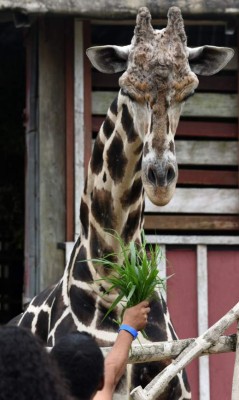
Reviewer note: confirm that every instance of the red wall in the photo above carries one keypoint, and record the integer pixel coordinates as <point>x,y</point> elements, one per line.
<point>223,278</point>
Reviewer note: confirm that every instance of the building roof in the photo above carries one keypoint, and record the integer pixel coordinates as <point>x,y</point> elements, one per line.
<point>121,9</point>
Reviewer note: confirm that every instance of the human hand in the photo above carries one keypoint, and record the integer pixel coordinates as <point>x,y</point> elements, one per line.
<point>137,316</point>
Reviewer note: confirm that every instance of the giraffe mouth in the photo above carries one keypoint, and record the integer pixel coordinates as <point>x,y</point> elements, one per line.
<point>159,184</point>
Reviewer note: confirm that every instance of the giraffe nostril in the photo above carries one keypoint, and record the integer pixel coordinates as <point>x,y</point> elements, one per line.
<point>159,177</point>
<point>152,175</point>
<point>170,175</point>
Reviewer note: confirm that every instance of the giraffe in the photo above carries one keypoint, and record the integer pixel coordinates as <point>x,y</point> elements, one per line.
<point>134,154</point>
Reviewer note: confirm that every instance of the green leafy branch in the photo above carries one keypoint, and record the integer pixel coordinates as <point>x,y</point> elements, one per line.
<point>136,276</point>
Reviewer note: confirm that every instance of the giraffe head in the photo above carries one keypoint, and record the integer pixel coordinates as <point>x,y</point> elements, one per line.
<point>160,74</point>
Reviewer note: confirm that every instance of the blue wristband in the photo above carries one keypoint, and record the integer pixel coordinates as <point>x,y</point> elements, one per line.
<point>129,329</point>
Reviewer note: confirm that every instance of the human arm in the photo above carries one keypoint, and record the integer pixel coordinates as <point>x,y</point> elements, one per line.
<point>116,360</point>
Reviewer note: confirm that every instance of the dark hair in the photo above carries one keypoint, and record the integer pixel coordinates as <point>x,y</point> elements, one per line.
<point>26,370</point>
<point>81,362</point>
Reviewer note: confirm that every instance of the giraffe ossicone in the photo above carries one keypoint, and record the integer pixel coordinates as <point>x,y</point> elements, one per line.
<point>134,153</point>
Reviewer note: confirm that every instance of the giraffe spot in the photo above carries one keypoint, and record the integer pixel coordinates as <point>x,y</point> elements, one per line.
<point>106,323</point>
<point>42,325</point>
<point>66,325</point>
<point>172,147</point>
<point>131,225</point>
<point>50,342</point>
<point>185,380</point>
<point>142,214</point>
<point>156,327</point>
<point>82,304</point>
<point>131,195</point>
<point>50,299</point>
<point>167,124</point>
<point>100,249</point>
<point>143,373</point>
<point>116,159</point>
<point>96,162</point>
<point>104,177</point>
<point>102,289</point>
<point>164,305</point>
<point>146,149</point>
<point>102,208</point>
<point>58,307</point>
<point>139,149</point>
<point>175,388</point>
<point>128,124</point>
<point>114,106</point>
<point>27,319</point>
<point>151,125</point>
<point>84,218</point>
<point>72,256</point>
<point>85,186</point>
<point>42,296</point>
<point>108,127</point>
<point>81,270</point>
<point>138,165</point>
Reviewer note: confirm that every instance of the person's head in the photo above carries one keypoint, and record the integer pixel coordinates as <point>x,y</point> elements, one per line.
<point>81,362</point>
<point>26,371</point>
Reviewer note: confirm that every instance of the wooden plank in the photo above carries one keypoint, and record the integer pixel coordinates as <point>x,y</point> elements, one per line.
<point>214,83</point>
<point>100,80</point>
<point>210,129</point>
<point>199,201</point>
<point>211,105</point>
<point>186,128</point>
<point>192,223</point>
<point>207,177</point>
<point>221,240</point>
<point>69,85</point>
<point>208,105</point>
<point>206,152</point>
<point>217,83</point>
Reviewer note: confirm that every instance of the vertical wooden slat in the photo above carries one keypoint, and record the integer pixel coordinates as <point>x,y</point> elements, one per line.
<point>79,165</point>
<point>52,126</point>
<point>69,77</point>
<point>223,275</point>
<point>202,291</point>
<point>87,94</point>
<point>31,276</point>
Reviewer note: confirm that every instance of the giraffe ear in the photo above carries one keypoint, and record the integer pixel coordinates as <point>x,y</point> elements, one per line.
<point>109,59</point>
<point>208,60</point>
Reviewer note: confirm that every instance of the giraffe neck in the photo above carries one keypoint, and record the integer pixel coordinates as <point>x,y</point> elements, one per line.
<point>113,198</point>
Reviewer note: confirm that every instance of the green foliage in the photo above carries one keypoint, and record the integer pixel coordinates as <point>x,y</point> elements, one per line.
<point>136,278</point>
